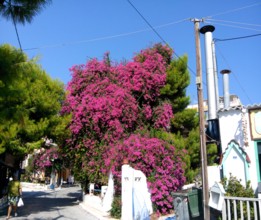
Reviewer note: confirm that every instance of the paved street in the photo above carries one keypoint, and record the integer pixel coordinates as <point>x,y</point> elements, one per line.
<point>61,204</point>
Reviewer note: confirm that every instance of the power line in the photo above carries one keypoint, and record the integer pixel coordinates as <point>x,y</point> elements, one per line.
<point>171,23</point>
<point>130,33</point>
<point>234,26</point>
<point>233,10</point>
<point>241,87</point>
<point>154,30</point>
<point>105,37</point>
<point>237,38</point>
<point>234,22</point>
<point>16,31</point>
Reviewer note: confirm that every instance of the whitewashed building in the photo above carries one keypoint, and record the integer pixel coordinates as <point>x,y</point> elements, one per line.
<point>235,128</point>
<point>240,135</point>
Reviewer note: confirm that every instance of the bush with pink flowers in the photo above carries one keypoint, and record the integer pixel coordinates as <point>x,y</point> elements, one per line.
<point>158,160</point>
<point>45,158</point>
<point>110,103</point>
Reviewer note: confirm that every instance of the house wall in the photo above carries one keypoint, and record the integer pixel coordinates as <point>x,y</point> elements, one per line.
<point>235,164</point>
<point>213,175</point>
<point>232,128</point>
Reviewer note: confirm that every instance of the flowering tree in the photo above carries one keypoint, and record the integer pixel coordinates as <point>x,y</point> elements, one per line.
<point>159,161</point>
<point>108,104</point>
<point>45,158</point>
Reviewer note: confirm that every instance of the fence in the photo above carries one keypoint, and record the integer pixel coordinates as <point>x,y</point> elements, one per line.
<point>241,208</point>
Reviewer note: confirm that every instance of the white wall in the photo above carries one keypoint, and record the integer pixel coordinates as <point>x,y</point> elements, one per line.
<point>230,127</point>
<point>230,123</point>
<point>213,175</point>
<point>235,165</point>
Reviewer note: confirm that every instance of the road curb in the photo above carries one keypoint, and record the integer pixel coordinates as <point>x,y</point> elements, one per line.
<point>97,213</point>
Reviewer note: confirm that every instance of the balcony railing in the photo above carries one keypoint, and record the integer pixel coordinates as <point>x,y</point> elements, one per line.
<point>241,208</point>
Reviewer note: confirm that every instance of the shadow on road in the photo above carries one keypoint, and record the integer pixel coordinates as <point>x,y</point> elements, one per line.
<point>47,202</point>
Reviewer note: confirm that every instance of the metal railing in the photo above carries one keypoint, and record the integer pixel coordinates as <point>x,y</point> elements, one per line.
<point>241,208</point>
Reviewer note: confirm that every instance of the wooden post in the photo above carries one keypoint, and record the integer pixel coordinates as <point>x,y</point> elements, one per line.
<point>203,150</point>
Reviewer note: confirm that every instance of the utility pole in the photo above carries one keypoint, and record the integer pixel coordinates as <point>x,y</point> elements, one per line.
<point>203,150</point>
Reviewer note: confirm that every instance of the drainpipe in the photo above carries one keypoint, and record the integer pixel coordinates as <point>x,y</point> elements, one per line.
<point>225,74</point>
<point>211,91</point>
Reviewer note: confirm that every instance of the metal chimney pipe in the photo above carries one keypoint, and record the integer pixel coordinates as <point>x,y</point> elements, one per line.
<point>215,73</point>
<point>211,87</point>
<point>225,74</point>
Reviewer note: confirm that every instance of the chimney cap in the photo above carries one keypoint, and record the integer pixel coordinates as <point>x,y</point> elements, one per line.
<point>225,71</point>
<point>207,28</point>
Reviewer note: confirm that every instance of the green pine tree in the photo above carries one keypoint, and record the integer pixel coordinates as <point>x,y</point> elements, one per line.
<point>30,102</point>
<point>21,11</point>
<point>185,123</point>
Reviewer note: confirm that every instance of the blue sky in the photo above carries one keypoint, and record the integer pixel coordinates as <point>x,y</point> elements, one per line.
<point>70,32</point>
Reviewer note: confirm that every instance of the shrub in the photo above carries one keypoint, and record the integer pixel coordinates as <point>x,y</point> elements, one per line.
<point>109,104</point>
<point>234,188</point>
<point>159,161</point>
<point>116,207</point>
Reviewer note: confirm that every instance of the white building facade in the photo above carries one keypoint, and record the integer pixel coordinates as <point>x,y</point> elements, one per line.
<point>240,134</point>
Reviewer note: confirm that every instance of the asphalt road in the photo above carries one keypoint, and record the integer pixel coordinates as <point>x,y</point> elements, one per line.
<point>59,204</point>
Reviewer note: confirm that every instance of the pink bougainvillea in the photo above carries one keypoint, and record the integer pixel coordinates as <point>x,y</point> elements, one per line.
<point>108,104</point>
<point>162,115</point>
<point>45,158</point>
<point>160,162</point>
<point>145,75</point>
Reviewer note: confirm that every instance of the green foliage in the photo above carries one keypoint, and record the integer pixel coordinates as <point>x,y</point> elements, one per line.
<point>190,144</point>
<point>27,176</point>
<point>57,128</point>
<point>21,10</point>
<point>185,121</point>
<point>30,102</point>
<point>116,207</point>
<point>193,148</point>
<point>74,161</point>
<point>212,153</point>
<point>234,187</point>
<point>181,143</point>
<point>178,79</point>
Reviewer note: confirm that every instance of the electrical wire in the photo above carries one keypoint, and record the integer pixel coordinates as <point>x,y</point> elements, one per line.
<point>87,41</point>
<point>233,22</point>
<point>237,38</point>
<point>234,26</point>
<point>130,33</point>
<point>104,38</point>
<point>154,30</point>
<point>18,38</point>
<point>208,18</point>
<point>233,10</point>
<point>171,23</point>
<point>234,75</point>
<point>16,31</point>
